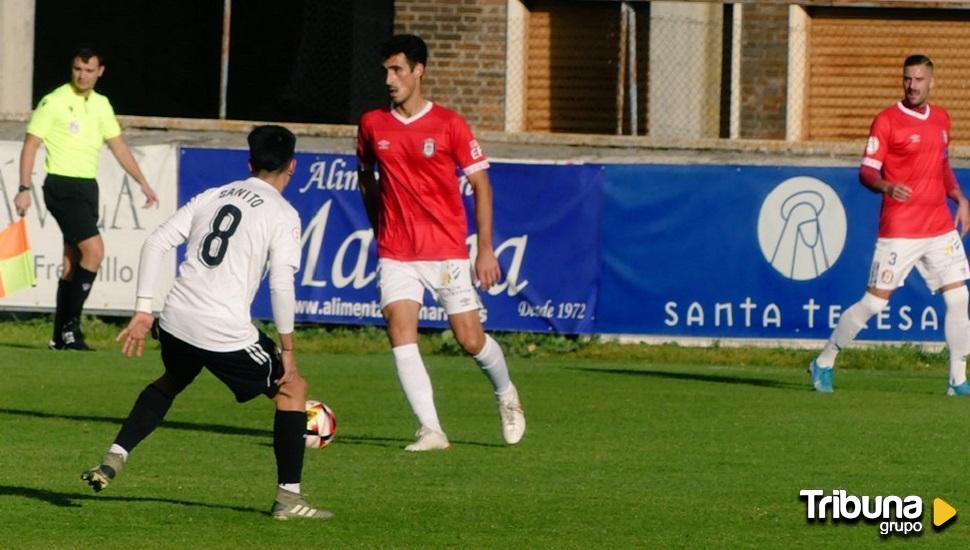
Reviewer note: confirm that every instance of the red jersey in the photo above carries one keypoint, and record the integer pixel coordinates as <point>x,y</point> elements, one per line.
<point>422,216</point>
<point>910,148</point>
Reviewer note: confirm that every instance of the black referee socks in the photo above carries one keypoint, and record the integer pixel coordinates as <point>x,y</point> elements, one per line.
<point>80,289</point>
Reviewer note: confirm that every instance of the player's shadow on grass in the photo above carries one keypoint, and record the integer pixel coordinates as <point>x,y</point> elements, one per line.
<point>67,500</point>
<point>717,378</point>
<point>229,430</point>
<point>21,346</point>
<point>399,442</point>
<point>175,425</point>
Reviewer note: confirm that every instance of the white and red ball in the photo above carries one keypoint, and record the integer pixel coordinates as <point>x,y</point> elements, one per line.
<point>321,424</point>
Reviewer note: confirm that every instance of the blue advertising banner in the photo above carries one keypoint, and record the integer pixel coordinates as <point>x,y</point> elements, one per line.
<point>746,252</point>
<point>713,251</point>
<point>546,239</point>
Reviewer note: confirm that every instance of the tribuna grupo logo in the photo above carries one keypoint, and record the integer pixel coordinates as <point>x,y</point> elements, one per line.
<point>895,515</point>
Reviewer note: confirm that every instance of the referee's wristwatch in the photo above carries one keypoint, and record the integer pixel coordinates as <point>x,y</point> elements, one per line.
<point>22,188</point>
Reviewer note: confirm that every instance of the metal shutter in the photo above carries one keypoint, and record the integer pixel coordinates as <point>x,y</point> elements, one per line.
<point>571,66</point>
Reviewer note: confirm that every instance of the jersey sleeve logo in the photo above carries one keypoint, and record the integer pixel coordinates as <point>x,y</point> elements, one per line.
<point>946,138</point>
<point>476,149</point>
<point>429,147</point>
<point>872,145</point>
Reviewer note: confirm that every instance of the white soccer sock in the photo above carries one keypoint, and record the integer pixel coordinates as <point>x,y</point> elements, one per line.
<point>492,362</point>
<point>850,323</point>
<point>119,450</point>
<point>416,384</point>
<point>291,487</point>
<point>956,328</point>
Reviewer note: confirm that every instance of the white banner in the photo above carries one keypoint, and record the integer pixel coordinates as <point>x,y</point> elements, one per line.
<point>124,225</point>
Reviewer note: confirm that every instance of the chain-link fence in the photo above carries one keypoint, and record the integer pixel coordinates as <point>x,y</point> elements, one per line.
<point>696,70</point>
<point>664,69</point>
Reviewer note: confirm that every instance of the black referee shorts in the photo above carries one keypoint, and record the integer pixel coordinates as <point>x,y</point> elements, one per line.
<point>74,204</point>
<point>247,372</point>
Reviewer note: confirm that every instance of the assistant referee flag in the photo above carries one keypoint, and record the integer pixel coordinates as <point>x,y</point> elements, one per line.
<point>16,260</point>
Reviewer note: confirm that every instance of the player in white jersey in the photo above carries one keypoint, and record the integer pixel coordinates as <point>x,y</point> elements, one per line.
<point>233,234</point>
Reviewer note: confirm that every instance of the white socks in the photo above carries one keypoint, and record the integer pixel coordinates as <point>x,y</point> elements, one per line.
<point>492,362</point>
<point>850,323</point>
<point>956,328</point>
<point>416,384</point>
<point>291,487</point>
<point>119,450</point>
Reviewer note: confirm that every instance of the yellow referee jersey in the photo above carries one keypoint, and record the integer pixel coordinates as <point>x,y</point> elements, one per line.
<point>73,128</point>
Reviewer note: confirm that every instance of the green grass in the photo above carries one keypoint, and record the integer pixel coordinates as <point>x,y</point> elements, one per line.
<point>620,452</point>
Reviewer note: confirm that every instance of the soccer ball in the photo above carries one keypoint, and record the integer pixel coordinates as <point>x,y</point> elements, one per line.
<point>321,424</point>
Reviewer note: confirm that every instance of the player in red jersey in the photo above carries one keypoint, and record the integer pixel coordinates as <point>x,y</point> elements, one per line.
<point>906,160</point>
<point>419,219</point>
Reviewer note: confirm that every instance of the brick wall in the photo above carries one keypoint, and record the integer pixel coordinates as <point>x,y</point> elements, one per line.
<point>764,70</point>
<point>466,55</point>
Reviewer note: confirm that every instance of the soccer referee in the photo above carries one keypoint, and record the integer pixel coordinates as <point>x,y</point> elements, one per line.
<point>72,122</point>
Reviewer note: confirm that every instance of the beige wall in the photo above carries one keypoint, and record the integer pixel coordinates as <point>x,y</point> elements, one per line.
<point>16,56</point>
<point>685,55</point>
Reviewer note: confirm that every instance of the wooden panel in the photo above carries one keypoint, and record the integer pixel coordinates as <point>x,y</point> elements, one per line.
<point>572,66</point>
<point>855,66</point>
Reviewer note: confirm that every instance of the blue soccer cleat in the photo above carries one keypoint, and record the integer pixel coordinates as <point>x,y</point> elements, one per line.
<point>821,377</point>
<point>958,389</point>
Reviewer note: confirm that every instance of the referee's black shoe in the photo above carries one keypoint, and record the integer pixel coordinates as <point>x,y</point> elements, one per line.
<point>71,338</point>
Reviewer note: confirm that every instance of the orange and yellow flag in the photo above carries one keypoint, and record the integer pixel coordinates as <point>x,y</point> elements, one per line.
<point>16,260</point>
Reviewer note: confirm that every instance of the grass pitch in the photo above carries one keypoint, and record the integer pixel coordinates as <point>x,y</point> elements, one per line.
<point>618,453</point>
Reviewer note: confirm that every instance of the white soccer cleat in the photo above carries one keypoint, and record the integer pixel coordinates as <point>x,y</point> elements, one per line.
<point>512,416</point>
<point>428,440</point>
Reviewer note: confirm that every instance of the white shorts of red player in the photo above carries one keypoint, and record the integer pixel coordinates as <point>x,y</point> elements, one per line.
<point>940,261</point>
<point>449,281</point>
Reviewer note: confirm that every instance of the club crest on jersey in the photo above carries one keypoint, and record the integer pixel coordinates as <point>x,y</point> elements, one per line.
<point>428,149</point>
<point>74,127</point>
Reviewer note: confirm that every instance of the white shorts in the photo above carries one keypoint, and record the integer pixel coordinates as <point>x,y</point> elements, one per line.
<point>940,261</point>
<point>449,281</point>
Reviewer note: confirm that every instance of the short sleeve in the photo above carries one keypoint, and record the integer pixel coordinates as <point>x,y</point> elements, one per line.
<point>877,145</point>
<point>109,122</point>
<point>42,120</point>
<point>365,152</point>
<point>948,133</point>
<point>467,153</point>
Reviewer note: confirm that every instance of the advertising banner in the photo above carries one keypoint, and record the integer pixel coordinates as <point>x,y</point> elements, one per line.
<point>746,252</point>
<point>546,238</point>
<point>124,225</point>
<point>713,251</point>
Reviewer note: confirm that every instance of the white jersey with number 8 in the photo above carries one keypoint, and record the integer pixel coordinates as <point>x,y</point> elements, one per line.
<point>234,234</point>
